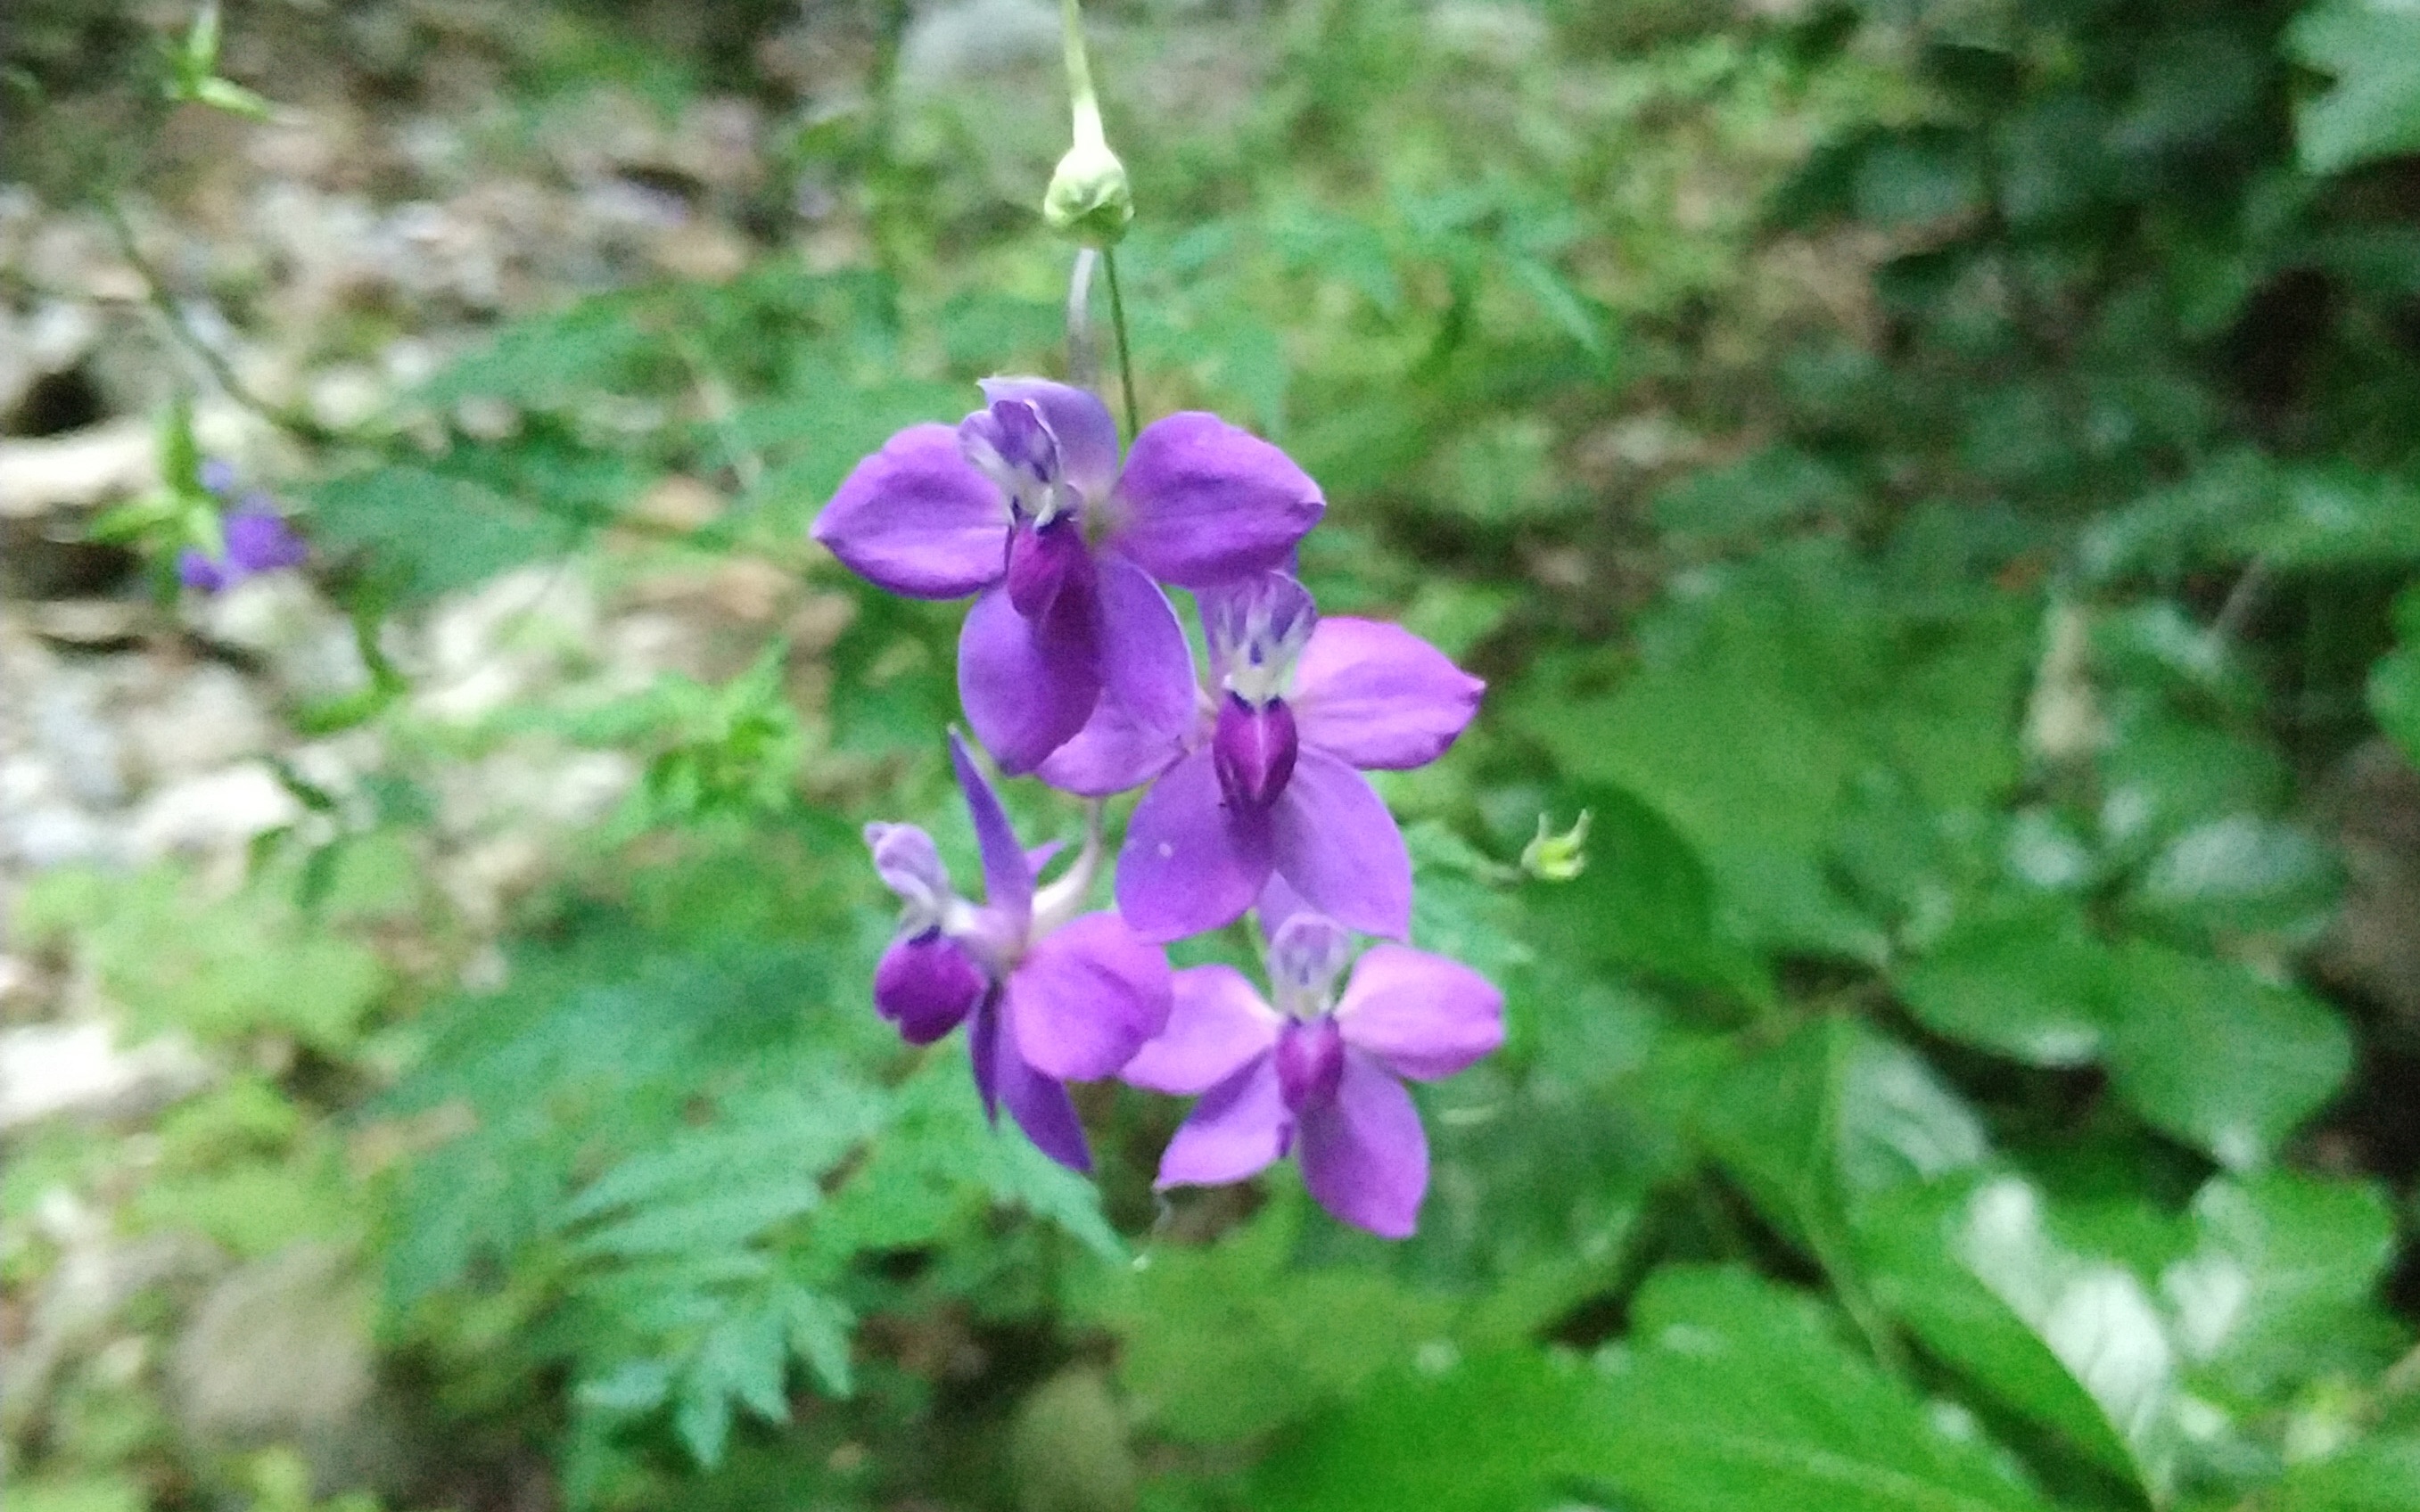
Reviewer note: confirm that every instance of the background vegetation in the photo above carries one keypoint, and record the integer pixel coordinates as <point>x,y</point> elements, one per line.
<point>1938,484</point>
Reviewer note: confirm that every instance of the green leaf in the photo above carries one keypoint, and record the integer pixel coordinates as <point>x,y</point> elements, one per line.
<point>2372,47</point>
<point>1735,1395</point>
<point>2395,682</point>
<point>2073,1343</point>
<point>1643,902</point>
<point>2022,977</point>
<point>2381,1474</point>
<point>2284,1281</point>
<point>1830,1116</point>
<point>1199,1320</point>
<point>1482,1435</point>
<point>2213,1056</point>
<point>431,534</point>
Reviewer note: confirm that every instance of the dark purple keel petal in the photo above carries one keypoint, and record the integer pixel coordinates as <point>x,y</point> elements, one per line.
<point>1380,697</point>
<point>1188,864</point>
<point>1337,845</point>
<point>1008,877</point>
<point>1145,664</point>
<point>1201,503</point>
<point>1040,1106</point>
<point>1239,1129</point>
<point>1421,1015</point>
<point>1365,1156</point>
<point>983,1049</point>
<point>926,987</point>
<point>916,520</point>
<point>1218,1024</point>
<point>1027,689</point>
<point>1087,433</point>
<point>1086,997</point>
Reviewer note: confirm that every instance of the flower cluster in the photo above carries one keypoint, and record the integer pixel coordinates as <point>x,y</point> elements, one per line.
<point>1073,666</point>
<point>252,538</point>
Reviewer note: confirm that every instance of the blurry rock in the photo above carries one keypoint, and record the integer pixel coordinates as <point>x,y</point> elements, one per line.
<point>1068,1446</point>
<point>49,1071</point>
<point>57,834</point>
<point>82,1297</point>
<point>209,717</point>
<point>69,728</point>
<point>504,639</point>
<point>282,620</point>
<point>679,503</point>
<point>972,37</point>
<point>708,252</point>
<point>50,489</point>
<point>96,623</point>
<point>279,1352</point>
<point>214,815</point>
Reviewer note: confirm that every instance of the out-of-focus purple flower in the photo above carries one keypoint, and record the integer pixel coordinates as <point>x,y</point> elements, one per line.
<point>1025,504</point>
<point>1270,782</point>
<point>217,477</point>
<point>1053,996</point>
<point>257,540</point>
<point>1318,1076</point>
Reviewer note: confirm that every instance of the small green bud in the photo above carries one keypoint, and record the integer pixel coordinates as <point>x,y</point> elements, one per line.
<point>1552,857</point>
<point>1088,199</point>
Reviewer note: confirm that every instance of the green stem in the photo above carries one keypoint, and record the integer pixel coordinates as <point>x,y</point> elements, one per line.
<point>1118,322</point>
<point>1085,106</point>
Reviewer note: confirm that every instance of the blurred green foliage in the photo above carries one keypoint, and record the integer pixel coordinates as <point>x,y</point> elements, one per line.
<point>1932,481</point>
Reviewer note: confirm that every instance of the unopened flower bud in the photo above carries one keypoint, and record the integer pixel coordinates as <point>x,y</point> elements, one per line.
<point>1552,857</point>
<point>1088,199</point>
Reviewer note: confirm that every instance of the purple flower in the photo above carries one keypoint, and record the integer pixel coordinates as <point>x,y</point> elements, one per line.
<point>1319,1074</point>
<point>1054,996</point>
<point>1026,506</point>
<point>1271,783</point>
<point>256,540</point>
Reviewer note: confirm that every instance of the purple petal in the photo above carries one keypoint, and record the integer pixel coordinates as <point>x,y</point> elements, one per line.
<point>1421,1015</point>
<point>1365,1154</point>
<point>909,864</point>
<point>1087,434</point>
<point>1276,903</point>
<point>1086,997</point>
<point>199,572</point>
<point>1379,696</point>
<point>257,540</point>
<point>217,475</point>
<point>926,986</point>
<point>1188,864</point>
<point>1218,1024</point>
<point>1038,856</point>
<point>1201,503</point>
<point>1334,841</point>
<point>1008,879</point>
<point>1238,1128</point>
<point>1027,687</point>
<point>1113,752</point>
<point>1145,664</point>
<point>916,520</point>
<point>1050,568</point>
<point>983,1048</point>
<point>1040,1106</point>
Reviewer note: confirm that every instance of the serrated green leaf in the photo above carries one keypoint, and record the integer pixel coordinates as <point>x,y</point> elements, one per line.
<point>2022,977</point>
<point>1735,1394</point>
<point>2213,1056</point>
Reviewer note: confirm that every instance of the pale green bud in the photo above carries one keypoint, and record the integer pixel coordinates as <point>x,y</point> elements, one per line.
<point>1552,857</point>
<point>1088,199</point>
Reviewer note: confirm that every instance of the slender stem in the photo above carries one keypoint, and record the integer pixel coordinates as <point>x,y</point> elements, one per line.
<point>1118,323</point>
<point>293,422</point>
<point>1082,102</point>
<point>1084,353</point>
